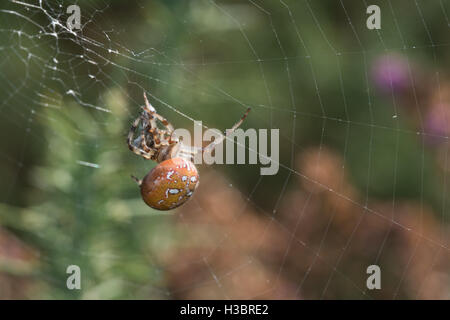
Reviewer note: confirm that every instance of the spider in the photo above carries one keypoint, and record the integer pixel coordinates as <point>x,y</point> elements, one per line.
<point>173,181</point>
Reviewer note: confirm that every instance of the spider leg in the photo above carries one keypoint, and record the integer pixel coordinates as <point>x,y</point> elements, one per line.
<point>161,137</point>
<point>152,152</point>
<point>143,143</point>
<point>210,147</point>
<point>132,132</point>
<point>142,153</point>
<point>138,181</point>
<point>150,109</point>
<point>130,140</point>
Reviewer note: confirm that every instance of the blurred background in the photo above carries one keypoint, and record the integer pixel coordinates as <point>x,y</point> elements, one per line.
<point>363,118</point>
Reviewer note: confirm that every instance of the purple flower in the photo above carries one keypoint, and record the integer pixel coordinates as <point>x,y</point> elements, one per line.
<point>390,72</point>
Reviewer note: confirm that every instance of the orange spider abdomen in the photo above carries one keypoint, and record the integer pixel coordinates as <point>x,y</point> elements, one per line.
<point>170,184</point>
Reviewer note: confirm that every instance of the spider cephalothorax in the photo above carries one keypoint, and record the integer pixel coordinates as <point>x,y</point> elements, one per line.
<point>173,181</point>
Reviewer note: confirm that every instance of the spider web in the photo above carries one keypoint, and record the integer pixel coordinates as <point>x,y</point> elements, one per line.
<point>359,183</point>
